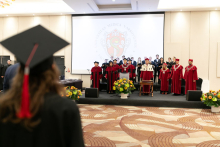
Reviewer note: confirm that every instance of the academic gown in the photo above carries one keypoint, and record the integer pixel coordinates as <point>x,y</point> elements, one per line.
<point>132,72</point>
<point>164,77</point>
<point>111,77</point>
<point>104,66</point>
<point>146,75</point>
<point>60,126</point>
<point>189,76</point>
<point>139,73</point>
<point>96,75</point>
<point>116,66</point>
<point>176,75</point>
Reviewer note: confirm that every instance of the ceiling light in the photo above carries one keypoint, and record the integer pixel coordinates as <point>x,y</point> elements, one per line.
<point>6,15</point>
<point>33,14</point>
<point>216,9</point>
<point>188,4</point>
<point>113,0</point>
<point>180,10</point>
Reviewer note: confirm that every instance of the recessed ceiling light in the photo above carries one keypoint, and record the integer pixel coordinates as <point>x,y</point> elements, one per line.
<point>33,14</point>
<point>180,10</point>
<point>6,15</point>
<point>216,9</point>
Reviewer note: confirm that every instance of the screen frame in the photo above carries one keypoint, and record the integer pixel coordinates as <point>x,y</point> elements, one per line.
<point>109,14</point>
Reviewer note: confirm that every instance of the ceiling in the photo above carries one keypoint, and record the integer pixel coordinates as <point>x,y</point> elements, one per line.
<point>60,7</point>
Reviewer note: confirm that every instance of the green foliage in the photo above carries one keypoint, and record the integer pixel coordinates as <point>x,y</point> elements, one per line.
<point>123,86</point>
<point>211,98</point>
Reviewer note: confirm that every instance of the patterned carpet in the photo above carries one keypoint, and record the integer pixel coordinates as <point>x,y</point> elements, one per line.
<point>130,126</point>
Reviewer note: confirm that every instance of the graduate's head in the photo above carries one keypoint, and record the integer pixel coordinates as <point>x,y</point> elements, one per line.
<point>146,61</point>
<point>110,63</point>
<point>129,61</point>
<point>96,63</point>
<point>174,59</point>
<point>164,66</point>
<point>139,64</point>
<point>177,61</point>
<point>36,75</point>
<point>157,56</point>
<point>123,56</point>
<point>169,59</point>
<point>115,61</point>
<point>132,58</point>
<point>150,59</point>
<point>9,62</point>
<point>190,61</point>
<point>161,59</point>
<point>125,61</point>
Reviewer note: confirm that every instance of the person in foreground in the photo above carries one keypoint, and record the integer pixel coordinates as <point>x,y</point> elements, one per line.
<point>176,76</point>
<point>32,111</point>
<point>164,77</point>
<point>190,76</point>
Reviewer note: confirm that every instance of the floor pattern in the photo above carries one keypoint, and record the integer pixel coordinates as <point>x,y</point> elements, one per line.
<point>130,126</point>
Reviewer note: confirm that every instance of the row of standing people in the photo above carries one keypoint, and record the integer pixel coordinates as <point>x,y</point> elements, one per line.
<point>174,73</point>
<point>111,73</point>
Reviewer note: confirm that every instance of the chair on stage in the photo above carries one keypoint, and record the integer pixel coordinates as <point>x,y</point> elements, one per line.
<point>147,82</point>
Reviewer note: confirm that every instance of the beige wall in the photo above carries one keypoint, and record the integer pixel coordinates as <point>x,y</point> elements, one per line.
<point>195,35</point>
<point>187,35</point>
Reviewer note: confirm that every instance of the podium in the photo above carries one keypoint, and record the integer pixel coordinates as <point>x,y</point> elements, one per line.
<point>124,75</point>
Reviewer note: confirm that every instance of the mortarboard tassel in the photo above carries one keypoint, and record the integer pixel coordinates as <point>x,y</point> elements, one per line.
<point>25,97</point>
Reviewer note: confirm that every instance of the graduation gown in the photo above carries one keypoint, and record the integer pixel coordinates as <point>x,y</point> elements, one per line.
<point>96,75</point>
<point>111,77</point>
<point>116,66</point>
<point>176,75</point>
<point>60,126</point>
<point>139,73</point>
<point>104,66</point>
<point>146,75</point>
<point>164,77</point>
<point>132,72</point>
<point>189,76</point>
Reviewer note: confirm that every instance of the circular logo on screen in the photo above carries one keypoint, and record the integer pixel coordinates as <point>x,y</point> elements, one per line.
<point>115,39</point>
<point>116,42</point>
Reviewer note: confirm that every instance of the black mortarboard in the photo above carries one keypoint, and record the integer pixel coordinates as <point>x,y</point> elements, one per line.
<point>110,61</point>
<point>96,62</point>
<point>139,63</point>
<point>124,59</point>
<point>34,49</point>
<point>115,60</point>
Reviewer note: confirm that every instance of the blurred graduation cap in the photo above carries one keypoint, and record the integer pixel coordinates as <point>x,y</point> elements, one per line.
<point>96,62</point>
<point>34,49</point>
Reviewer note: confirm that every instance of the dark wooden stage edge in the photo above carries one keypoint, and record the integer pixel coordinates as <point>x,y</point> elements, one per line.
<point>158,100</point>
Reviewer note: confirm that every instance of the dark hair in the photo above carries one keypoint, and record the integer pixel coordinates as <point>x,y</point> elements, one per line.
<point>39,85</point>
<point>169,58</point>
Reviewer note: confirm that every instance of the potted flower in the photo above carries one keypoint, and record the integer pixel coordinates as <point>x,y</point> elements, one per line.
<point>212,99</point>
<point>72,93</point>
<point>124,87</point>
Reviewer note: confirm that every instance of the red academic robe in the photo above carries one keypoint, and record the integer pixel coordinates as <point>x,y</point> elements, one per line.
<point>164,77</point>
<point>132,72</point>
<point>123,68</point>
<point>96,75</point>
<point>146,75</point>
<point>116,66</point>
<point>176,75</point>
<point>111,77</point>
<point>189,76</point>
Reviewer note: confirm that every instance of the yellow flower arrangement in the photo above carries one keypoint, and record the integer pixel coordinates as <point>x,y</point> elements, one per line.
<point>123,86</point>
<point>72,92</point>
<point>212,98</point>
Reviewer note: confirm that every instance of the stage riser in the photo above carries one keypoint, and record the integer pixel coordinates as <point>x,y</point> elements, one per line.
<point>150,103</point>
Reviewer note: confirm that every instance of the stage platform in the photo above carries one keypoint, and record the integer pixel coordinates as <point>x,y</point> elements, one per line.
<point>158,100</point>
